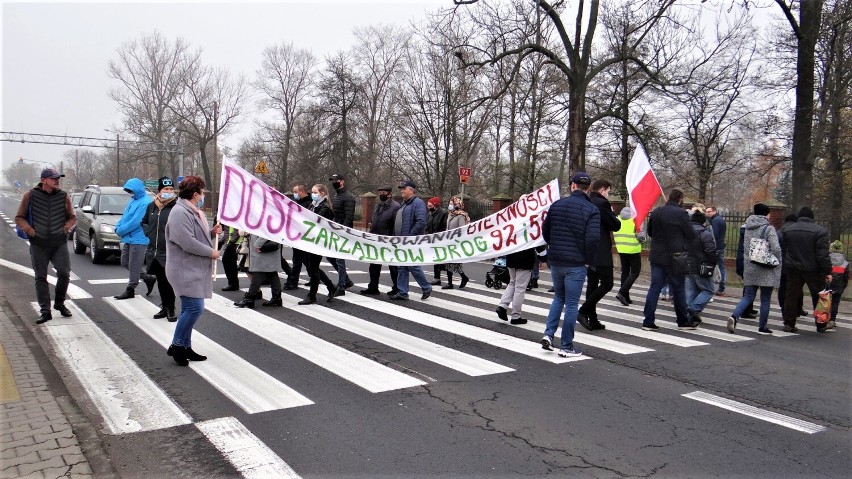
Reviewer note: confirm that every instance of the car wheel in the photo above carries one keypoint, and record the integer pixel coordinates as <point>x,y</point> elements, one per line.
<point>79,247</point>
<point>93,246</point>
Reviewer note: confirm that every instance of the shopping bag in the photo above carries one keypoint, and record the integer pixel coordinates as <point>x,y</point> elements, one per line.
<point>822,312</point>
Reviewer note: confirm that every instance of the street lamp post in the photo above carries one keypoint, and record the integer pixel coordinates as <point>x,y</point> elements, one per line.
<point>117,161</point>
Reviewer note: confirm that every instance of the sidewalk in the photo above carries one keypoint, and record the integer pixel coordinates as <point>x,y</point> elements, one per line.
<point>36,435</point>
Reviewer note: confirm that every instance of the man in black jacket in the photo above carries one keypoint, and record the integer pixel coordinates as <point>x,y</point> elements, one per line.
<point>671,233</point>
<point>436,222</point>
<point>301,196</point>
<point>806,261</point>
<point>384,215</point>
<point>600,268</point>
<point>344,213</point>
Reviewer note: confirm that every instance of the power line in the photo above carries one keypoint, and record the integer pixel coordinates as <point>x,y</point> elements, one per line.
<point>83,141</point>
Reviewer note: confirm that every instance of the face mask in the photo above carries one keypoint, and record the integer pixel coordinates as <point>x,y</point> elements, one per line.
<point>296,196</point>
<point>167,196</point>
<point>451,207</point>
<point>383,197</point>
<point>336,185</point>
<point>201,203</point>
<point>315,197</point>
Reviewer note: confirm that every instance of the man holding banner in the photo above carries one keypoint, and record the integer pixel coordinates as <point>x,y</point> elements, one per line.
<point>410,221</point>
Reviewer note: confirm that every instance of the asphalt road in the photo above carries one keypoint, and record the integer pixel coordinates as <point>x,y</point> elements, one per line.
<point>621,413</point>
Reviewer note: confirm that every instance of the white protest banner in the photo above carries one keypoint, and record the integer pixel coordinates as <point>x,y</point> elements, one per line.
<point>251,205</point>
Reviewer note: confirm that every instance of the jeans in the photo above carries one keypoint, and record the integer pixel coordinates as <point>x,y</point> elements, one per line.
<point>749,293</point>
<point>41,256</point>
<point>660,276</point>
<point>699,291</point>
<point>402,280</point>
<point>536,271</point>
<point>567,287</point>
<point>720,258</point>
<point>190,311</point>
<point>133,258</point>
<point>340,267</point>
<point>599,284</point>
<point>631,266</point>
<point>516,290</point>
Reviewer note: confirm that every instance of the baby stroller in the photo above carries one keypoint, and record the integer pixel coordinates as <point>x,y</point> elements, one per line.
<point>499,274</point>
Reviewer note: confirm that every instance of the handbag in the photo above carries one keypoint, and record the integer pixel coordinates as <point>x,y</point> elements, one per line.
<point>269,247</point>
<point>759,253</point>
<point>822,312</point>
<point>705,270</point>
<point>680,263</point>
<point>21,233</point>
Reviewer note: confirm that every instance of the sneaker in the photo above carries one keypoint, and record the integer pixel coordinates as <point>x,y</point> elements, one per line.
<point>689,325</point>
<point>732,324</point>
<point>569,353</point>
<point>695,317</point>
<point>830,325</point>
<point>547,343</point>
<point>621,299</point>
<point>518,321</point>
<point>650,327</point>
<point>764,331</point>
<point>426,295</point>
<point>721,294</point>
<point>501,313</point>
<point>790,329</point>
<point>584,320</point>
<point>448,286</point>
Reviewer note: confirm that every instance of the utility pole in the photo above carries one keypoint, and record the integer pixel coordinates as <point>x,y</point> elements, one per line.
<point>214,186</point>
<point>117,161</point>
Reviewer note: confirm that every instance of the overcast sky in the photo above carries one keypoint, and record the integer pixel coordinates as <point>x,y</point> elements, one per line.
<point>55,55</point>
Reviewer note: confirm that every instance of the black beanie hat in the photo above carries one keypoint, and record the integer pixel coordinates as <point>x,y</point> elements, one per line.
<point>164,182</point>
<point>698,217</point>
<point>761,209</point>
<point>806,212</point>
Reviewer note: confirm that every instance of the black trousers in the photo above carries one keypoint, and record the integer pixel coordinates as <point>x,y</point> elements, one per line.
<point>312,264</point>
<point>795,281</point>
<point>600,283</point>
<point>229,264</point>
<point>375,272</point>
<point>631,266</point>
<point>58,255</point>
<point>782,294</point>
<point>167,293</point>
<point>260,277</point>
<point>296,270</point>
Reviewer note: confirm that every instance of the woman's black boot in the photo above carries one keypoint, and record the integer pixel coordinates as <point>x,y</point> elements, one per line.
<point>193,356</point>
<point>178,353</point>
<point>246,302</point>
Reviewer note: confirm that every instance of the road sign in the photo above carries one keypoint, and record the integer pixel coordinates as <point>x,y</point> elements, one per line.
<point>464,174</point>
<point>17,184</point>
<point>152,184</point>
<point>261,168</point>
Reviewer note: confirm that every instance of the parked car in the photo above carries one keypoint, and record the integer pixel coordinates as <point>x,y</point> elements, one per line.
<point>98,212</point>
<point>75,202</point>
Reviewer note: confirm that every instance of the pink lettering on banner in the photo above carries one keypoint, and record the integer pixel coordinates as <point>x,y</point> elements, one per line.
<point>232,176</point>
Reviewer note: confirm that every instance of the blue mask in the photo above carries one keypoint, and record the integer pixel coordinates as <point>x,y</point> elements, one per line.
<point>315,197</point>
<point>296,196</point>
<point>167,196</point>
<point>201,203</point>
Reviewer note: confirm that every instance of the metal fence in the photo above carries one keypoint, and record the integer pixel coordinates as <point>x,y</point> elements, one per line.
<point>734,220</point>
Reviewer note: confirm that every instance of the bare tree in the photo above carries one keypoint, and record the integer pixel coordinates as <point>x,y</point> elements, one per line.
<point>85,165</point>
<point>339,90</point>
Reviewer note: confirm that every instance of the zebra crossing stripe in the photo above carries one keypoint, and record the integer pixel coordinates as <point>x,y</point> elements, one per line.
<point>582,338</point>
<point>246,385</point>
<point>74,292</point>
<point>248,454</point>
<point>353,367</point>
<point>436,353</point>
<point>492,338</point>
<point>616,327</point>
<point>762,414</point>
<point>125,397</point>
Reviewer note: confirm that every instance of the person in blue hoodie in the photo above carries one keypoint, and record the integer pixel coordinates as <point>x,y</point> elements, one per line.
<point>134,241</point>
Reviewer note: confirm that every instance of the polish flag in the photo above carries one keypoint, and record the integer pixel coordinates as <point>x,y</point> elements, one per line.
<point>642,186</point>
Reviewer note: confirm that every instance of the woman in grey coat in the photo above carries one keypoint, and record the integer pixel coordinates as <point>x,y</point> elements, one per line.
<point>264,262</point>
<point>757,276</point>
<point>191,255</point>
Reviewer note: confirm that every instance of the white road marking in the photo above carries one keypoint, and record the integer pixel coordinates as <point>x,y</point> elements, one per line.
<point>353,367</point>
<point>125,397</point>
<point>246,385</point>
<point>74,292</point>
<point>762,414</point>
<point>248,454</point>
<point>492,338</point>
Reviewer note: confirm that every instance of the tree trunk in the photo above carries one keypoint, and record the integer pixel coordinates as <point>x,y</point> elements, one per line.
<point>577,130</point>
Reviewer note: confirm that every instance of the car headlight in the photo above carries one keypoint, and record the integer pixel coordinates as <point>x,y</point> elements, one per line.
<point>106,228</point>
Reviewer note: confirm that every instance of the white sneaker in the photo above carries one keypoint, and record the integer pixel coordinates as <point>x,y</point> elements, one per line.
<point>732,324</point>
<point>569,353</point>
<point>547,343</point>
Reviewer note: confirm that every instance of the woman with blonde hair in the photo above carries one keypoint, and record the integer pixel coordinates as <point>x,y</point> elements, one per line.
<point>456,218</point>
<point>322,207</point>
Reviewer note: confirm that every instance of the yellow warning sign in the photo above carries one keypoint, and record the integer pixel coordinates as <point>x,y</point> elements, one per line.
<point>261,168</point>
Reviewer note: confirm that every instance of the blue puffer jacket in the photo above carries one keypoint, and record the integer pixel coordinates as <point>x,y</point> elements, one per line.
<point>413,218</point>
<point>572,228</point>
<point>129,227</point>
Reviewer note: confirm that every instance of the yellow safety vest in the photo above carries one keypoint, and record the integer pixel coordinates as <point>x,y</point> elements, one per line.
<point>625,238</point>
